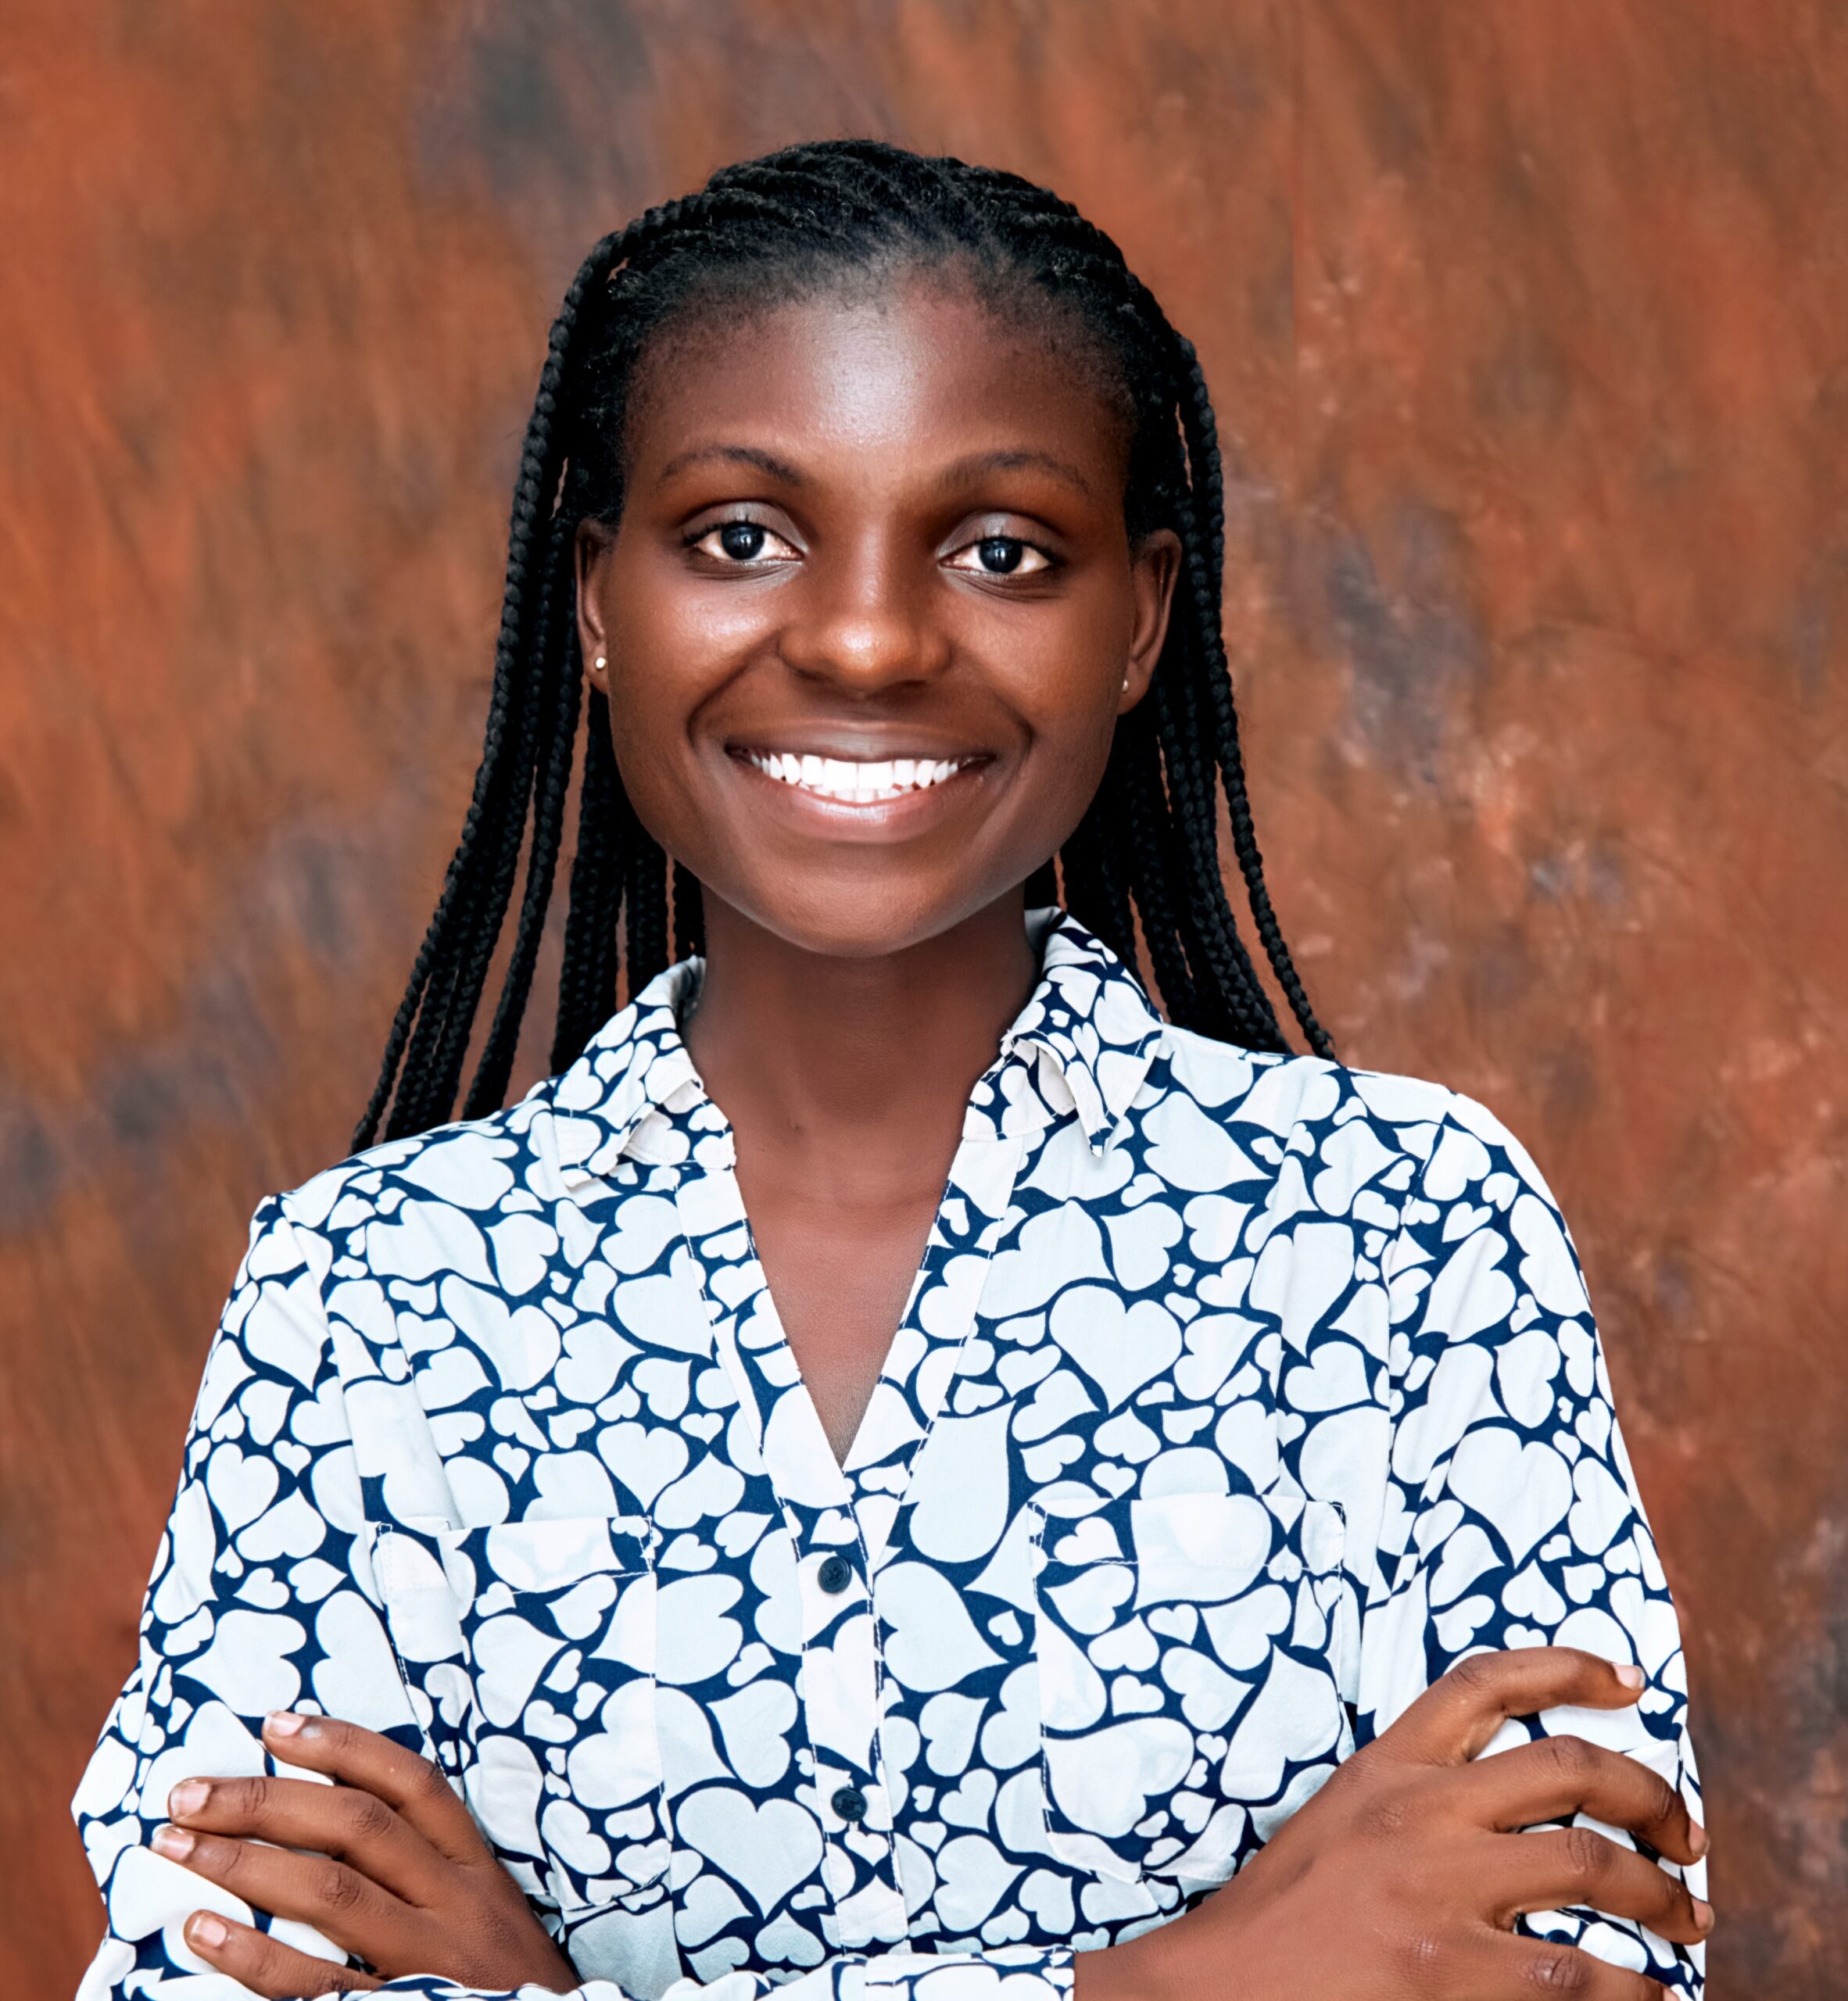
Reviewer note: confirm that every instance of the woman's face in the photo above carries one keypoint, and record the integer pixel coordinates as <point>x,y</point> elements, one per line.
<point>871,612</point>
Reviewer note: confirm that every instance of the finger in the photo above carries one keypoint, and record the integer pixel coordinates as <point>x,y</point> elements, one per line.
<point>1579,1866</point>
<point>1462,1710</point>
<point>411,1786</point>
<point>1554,1777</point>
<point>351,1909</point>
<point>341,1820</point>
<point>256,1961</point>
<point>1508,1966</point>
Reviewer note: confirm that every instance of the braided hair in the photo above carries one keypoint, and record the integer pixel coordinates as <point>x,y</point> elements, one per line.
<point>1145,857</point>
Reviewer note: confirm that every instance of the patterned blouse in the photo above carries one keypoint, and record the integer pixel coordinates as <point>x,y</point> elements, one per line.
<point>1237,1396</point>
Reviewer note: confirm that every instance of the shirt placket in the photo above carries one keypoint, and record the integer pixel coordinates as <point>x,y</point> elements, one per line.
<point>839,1523</point>
<point>837,1681</point>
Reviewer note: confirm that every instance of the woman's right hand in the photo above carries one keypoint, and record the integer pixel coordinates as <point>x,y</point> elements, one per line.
<point>1403,1876</point>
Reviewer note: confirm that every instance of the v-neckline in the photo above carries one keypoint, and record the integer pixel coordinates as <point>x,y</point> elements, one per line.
<point>1075,1047</point>
<point>910,1390</point>
<point>890,1360</point>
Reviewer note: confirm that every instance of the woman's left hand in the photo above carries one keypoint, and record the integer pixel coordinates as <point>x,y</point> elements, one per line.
<point>399,1875</point>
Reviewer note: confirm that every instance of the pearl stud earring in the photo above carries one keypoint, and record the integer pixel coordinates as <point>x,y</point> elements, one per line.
<point>601,664</point>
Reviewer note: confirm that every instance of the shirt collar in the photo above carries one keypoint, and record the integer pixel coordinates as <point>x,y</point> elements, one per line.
<point>1091,1021</point>
<point>1087,1036</point>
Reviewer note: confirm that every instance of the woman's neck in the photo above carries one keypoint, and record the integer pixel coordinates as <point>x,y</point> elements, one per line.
<point>841,1067</point>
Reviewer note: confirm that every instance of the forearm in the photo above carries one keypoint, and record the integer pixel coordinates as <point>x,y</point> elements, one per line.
<point>1162,1965</point>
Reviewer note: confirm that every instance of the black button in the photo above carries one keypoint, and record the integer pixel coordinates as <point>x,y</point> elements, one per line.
<point>850,1803</point>
<point>836,1573</point>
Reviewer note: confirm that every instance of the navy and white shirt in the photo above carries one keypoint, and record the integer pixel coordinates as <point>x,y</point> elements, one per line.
<point>1237,1396</point>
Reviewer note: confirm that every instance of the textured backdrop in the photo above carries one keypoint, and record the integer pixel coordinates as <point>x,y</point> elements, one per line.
<point>1527,325</point>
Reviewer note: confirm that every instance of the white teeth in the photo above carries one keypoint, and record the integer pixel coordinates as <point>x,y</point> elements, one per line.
<point>859,784</point>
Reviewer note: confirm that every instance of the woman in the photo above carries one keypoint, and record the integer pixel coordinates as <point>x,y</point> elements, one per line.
<point>1242,1465</point>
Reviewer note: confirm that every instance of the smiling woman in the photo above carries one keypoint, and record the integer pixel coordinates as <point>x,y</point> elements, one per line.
<point>901,1468</point>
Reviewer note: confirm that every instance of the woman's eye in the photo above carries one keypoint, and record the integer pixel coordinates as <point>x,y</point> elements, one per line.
<point>1000,555</point>
<point>742,541</point>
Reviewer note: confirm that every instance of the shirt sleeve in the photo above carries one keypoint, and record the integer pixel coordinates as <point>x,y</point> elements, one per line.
<point>1511,1515</point>
<point>252,1607</point>
<point>261,1599</point>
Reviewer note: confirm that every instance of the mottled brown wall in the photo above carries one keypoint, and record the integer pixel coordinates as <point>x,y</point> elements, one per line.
<point>1527,324</point>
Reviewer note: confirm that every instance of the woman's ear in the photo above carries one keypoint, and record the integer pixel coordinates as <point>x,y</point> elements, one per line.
<point>589,554</point>
<point>1155,564</point>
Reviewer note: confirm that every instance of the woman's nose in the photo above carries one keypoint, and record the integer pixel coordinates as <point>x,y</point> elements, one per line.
<point>865,624</point>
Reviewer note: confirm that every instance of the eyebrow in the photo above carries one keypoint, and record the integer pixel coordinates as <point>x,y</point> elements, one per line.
<point>743,455</point>
<point>964,469</point>
<point>1015,461</point>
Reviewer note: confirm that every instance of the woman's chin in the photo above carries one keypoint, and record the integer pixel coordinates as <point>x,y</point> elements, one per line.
<point>864,922</point>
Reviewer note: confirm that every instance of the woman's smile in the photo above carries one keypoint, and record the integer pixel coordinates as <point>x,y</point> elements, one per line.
<point>893,795</point>
<point>857,784</point>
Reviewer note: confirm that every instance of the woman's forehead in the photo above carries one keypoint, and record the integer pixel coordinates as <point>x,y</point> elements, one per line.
<point>921,363</point>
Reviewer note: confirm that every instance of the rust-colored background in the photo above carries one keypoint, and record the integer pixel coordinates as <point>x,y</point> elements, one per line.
<point>1527,324</point>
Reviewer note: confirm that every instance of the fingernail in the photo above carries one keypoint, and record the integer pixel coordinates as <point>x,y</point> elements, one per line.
<point>174,1843</point>
<point>206,1930</point>
<point>188,1797</point>
<point>1631,1678</point>
<point>283,1723</point>
<point>1697,1838</point>
<point>1703,1915</point>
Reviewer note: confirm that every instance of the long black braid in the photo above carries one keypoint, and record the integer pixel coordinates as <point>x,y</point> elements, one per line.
<point>1145,859</point>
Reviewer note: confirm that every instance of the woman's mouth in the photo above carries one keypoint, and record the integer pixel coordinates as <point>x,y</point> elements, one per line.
<point>849,783</point>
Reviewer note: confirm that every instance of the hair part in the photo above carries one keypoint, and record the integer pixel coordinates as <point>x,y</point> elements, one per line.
<point>831,217</point>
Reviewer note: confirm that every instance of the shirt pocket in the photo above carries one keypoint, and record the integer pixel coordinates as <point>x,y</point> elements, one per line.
<point>529,1651</point>
<point>1187,1669</point>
